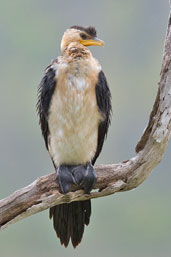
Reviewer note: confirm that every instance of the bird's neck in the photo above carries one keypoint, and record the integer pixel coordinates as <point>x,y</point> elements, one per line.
<point>76,50</point>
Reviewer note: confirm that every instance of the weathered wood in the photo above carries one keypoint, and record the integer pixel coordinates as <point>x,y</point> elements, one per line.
<point>43,193</point>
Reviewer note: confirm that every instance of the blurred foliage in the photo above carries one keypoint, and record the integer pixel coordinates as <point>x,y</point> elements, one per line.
<point>135,223</point>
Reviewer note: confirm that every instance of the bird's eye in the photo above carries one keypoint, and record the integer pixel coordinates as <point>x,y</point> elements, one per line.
<point>83,36</point>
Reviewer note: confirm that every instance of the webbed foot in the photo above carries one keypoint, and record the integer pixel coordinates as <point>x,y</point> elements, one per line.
<point>82,175</point>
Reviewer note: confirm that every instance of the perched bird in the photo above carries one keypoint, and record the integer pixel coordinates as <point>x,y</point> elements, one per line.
<point>74,106</point>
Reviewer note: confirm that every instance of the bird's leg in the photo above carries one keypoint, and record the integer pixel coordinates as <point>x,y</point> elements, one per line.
<point>65,178</point>
<point>82,175</point>
<point>85,176</point>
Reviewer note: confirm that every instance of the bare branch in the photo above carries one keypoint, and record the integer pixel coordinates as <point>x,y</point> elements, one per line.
<point>43,193</point>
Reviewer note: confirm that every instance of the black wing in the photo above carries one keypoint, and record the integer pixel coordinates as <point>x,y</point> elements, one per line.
<point>103,97</point>
<point>45,92</point>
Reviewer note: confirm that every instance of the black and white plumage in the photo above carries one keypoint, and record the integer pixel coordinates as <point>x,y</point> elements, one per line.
<point>74,106</point>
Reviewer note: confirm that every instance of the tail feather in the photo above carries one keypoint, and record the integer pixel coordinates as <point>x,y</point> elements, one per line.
<point>69,221</point>
<point>87,205</point>
<point>78,223</point>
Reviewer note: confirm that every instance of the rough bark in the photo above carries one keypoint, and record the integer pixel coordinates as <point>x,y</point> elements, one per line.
<point>44,192</point>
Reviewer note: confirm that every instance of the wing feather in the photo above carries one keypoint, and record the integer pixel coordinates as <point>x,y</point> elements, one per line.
<point>103,97</point>
<point>45,92</point>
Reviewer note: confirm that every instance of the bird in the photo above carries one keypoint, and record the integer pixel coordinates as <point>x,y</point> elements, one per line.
<point>74,108</point>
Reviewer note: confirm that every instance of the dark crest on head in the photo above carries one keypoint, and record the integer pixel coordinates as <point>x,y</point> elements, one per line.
<point>89,30</point>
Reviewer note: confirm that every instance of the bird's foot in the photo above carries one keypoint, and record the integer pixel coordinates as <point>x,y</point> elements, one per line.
<point>82,175</point>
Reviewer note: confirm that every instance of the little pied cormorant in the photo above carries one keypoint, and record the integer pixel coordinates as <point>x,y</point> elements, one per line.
<point>74,107</point>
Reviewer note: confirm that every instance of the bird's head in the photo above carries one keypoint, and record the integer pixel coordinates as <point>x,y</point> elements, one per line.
<point>77,34</point>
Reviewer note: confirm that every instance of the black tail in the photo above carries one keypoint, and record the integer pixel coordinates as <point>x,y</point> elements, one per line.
<point>69,220</point>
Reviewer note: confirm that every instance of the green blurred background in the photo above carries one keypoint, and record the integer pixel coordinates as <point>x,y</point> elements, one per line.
<point>130,224</point>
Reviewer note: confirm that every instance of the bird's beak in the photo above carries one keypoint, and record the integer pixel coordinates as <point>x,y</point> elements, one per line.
<point>92,42</point>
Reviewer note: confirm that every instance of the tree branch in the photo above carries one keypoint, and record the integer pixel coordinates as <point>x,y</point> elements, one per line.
<point>44,192</point>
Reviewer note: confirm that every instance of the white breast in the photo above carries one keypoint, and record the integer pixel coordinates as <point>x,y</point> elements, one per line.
<point>73,119</point>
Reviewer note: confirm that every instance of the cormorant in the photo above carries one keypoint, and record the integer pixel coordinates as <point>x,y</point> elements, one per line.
<point>74,107</point>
